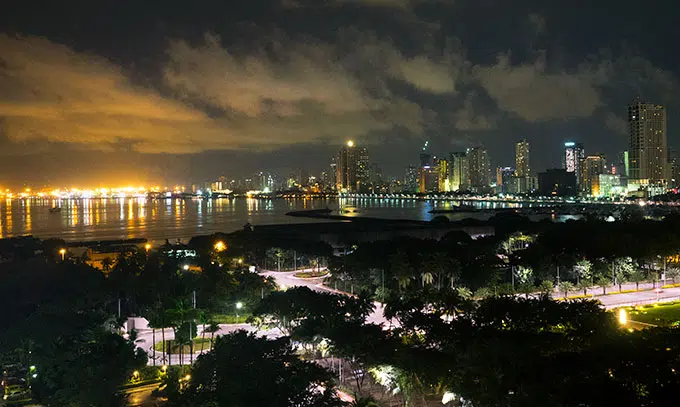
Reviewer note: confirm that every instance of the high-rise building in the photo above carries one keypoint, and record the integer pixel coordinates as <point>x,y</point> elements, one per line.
<point>593,167</point>
<point>522,168</point>
<point>459,175</point>
<point>346,179</point>
<point>574,156</point>
<point>648,155</point>
<point>363,171</point>
<point>506,181</point>
<point>442,168</point>
<point>622,168</point>
<point>411,179</point>
<point>479,169</point>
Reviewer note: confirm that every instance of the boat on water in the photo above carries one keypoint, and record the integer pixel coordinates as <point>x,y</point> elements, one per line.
<point>55,209</point>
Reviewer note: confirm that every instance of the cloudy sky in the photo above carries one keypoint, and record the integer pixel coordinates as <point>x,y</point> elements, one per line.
<point>187,91</point>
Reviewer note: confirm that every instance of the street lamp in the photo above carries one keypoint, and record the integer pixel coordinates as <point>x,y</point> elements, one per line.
<point>147,247</point>
<point>220,246</point>
<point>239,305</point>
<point>623,317</point>
<point>185,267</point>
<point>240,261</point>
<point>63,254</point>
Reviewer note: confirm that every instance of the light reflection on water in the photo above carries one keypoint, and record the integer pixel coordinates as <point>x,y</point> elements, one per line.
<point>99,219</point>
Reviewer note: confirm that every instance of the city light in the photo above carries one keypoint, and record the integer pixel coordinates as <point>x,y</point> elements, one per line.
<point>220,246</point>
<point>350,143</point>
<point>623,317</point>
<point>147,247</point>
<point>239,305</point>
<point>185,267</point>
<point>63,254</point>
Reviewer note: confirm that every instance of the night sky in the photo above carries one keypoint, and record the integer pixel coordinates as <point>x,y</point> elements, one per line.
<point>170,91</point>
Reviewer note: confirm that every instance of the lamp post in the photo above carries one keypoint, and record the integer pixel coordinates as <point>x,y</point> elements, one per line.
<point>147,247</point>
<point>63,254</point>
<point>239,305</point>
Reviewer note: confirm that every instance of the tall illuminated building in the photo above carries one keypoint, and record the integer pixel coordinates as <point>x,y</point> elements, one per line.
<point>574,157</point>
<point>459,177</point>
<point>346,179</point>
<point>479,169</point>
<point>522,168</point>
<point>594,166</point>
<point>411,179</point>
<point>363,170</point>
<point>442,169</point>
<point>648,149</point>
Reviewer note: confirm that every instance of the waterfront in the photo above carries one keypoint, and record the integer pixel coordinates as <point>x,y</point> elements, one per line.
<point>122,218</point>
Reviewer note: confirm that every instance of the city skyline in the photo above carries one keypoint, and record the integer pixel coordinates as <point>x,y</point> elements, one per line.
<point>244,87</point>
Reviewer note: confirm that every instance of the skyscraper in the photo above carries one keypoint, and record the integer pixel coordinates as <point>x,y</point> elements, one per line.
<point>648,155</point>
<point>574,156</point>
<point>522,168</point>
<point>593,167</point>
<point>622,167</point>
<point>411,179</point>
<point>479,169</point>
<point>442,168</point>
<point>346,168</point>
<point>458,172</point>
<point>363,173</point>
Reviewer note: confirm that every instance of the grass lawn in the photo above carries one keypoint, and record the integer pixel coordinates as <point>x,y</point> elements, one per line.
<point>311,274</point>
<point>230,318</point>
<point>174,349</point>
<point>657,314</point>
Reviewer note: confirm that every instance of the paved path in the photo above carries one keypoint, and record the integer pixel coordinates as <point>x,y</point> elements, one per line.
<point>286,279</point>
<point>145,338</point>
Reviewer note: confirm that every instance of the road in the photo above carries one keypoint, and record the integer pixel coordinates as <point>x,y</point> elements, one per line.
<point>639,297</point>
<point>141,396</point>
<point>145,338</point>
<point>286,279</point>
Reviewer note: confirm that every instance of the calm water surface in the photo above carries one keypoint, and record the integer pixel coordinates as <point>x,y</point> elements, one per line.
<point>100,219</point>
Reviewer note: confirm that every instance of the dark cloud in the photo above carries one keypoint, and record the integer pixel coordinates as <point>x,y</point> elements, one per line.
<point>271,79</point>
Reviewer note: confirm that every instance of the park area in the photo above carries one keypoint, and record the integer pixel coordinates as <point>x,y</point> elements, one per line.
<point>656,314</point>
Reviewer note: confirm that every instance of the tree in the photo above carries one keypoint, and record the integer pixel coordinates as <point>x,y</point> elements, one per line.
<point>565,287</point>
<point>583,271</point>
<point>636,276</point>
<point>212,328</point>
<point>604,282</point>
<point>623,269</point>
<point>401,269</point>
<point>244,370</point>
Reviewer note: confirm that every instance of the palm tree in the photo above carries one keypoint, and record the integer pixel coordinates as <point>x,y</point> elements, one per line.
<point>426,278</point>
<point>213,327</point>
<point>180,314</point>
<point>565,287</point>
<point>203,320</point>
<point>439,263</point>
<point>401,269</point>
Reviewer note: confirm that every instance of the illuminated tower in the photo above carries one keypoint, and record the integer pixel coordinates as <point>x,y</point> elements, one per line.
<point>459,177</point>
<point>346,179</point>
<point>574,156</point>
<point>522,168</point>
<point>648,151</point>
<point>479,169</point>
